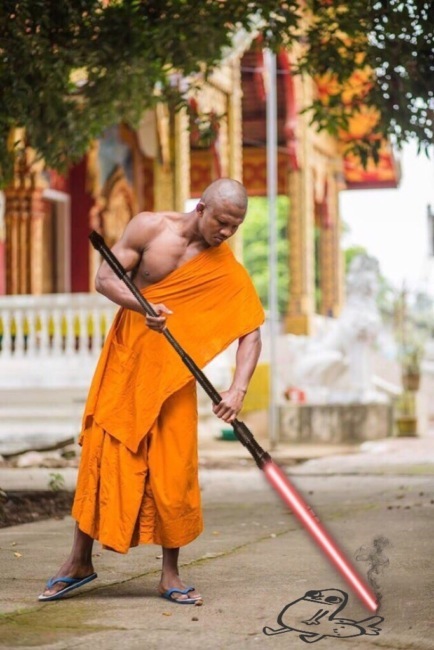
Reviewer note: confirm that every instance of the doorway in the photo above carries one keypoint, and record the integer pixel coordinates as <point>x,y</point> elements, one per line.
<point>56,242</point>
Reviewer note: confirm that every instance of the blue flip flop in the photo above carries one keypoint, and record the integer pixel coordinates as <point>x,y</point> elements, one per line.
<point>72,583</point>
<point>181,601</point>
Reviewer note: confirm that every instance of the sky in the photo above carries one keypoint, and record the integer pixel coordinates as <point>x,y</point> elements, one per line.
<point>392,224</point>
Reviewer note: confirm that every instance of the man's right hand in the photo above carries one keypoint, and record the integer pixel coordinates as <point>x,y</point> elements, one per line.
<point>158,323</point>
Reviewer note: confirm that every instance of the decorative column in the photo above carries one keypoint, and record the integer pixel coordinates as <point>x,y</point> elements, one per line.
<point>181,160</point>
<point>330,254</point>
<point>2,243</point>
<point>235,138</point>
<point>235,143</point>
<point>12,247</point>
<point>163,186</point>
<point>301,303</point>
<point>24,216</point>
<point>36,252</point>
<point>172,171</point>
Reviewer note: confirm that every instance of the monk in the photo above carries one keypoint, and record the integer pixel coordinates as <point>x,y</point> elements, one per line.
<point>138,475</point>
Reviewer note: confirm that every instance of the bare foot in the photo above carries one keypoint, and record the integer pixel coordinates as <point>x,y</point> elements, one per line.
<point>174,582</point>
<point>67,570</point>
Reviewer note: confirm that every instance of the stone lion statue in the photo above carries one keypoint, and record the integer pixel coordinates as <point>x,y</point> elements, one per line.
<point>334,365</point>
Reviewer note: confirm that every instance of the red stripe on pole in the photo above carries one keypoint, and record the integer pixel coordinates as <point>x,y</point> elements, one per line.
<point>289,494</point>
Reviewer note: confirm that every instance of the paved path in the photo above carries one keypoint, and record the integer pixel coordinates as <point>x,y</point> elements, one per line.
<point>252,561</point>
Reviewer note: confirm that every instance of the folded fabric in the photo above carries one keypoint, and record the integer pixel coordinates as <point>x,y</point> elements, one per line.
<point>214,303</point>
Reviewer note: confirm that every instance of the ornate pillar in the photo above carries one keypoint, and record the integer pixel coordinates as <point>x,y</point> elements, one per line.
<point>36,249</point>
<point>24,216</point>
<point>301,303</point>
<point>11,222</point>
<point>235,143</point>
<point>172,171</point>
<point>181,160</point>
<point>163,186</point>
<point>330,255</point>
<point>2,243</point>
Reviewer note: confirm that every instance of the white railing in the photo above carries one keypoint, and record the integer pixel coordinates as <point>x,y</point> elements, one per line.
<point>54,325</point>
<point>49,346</point>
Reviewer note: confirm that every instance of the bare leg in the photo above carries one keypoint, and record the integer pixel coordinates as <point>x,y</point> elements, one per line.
<point>170,575</point>
<point>79,563</point>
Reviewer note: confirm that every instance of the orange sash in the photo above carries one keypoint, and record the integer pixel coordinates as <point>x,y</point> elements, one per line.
<point>214,303</point>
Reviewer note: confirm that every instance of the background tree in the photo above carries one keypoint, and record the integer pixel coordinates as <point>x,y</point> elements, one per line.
<point>255,248</point>
<point>385,49</point>
<point>70,69</point>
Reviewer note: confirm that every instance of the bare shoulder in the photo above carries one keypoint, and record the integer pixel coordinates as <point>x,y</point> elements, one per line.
<point>151,222</point>
<point>143,228</point>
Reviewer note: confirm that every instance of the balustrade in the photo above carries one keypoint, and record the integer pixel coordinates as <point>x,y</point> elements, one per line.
<point>54,324</point>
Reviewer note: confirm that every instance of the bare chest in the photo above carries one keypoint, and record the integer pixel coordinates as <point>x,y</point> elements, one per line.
<point>162,257</point>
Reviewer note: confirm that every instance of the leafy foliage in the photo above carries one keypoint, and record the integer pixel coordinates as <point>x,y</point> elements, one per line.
<point>70,69</point>
<point>394,40</point>
<point>255,249</point>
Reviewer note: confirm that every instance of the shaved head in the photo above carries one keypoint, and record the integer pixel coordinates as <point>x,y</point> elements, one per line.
<point>226,190</point>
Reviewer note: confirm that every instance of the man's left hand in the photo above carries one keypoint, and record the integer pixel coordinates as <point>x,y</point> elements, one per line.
<point>231,404</point>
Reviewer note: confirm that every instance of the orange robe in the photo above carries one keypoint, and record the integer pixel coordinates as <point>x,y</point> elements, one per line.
<point>138,473</point>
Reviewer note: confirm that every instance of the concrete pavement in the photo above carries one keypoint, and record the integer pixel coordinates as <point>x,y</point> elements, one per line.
<point>253,560</point>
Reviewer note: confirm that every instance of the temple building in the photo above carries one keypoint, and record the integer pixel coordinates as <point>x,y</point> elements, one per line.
<point>45,217</point>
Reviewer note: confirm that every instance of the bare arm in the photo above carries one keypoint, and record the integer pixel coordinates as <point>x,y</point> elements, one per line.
<point>249,349</point>
<point>129,250</point>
